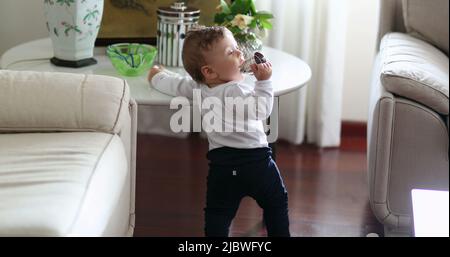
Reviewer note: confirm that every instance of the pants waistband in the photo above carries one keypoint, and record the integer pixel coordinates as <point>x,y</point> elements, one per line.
<point>237,156</point>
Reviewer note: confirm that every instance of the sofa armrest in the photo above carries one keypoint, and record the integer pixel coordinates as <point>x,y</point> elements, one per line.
<point>379,134</point>
<point>128,135</point>
<point>407,148</point>
<point>416,70</point>
<point>52,101</point>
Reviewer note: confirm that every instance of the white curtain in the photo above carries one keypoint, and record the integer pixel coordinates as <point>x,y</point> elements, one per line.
<point>315,31</point>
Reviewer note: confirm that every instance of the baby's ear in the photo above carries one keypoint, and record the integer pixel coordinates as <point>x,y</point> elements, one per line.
<point>208,72</point>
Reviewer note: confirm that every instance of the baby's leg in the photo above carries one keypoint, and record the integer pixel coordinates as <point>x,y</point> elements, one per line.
<point>222,201</point>
<point>273,198</point>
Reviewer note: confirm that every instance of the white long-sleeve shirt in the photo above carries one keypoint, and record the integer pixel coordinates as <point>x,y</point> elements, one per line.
<point>241,131</point>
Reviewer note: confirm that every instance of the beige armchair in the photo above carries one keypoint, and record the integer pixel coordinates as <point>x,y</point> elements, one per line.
<point>409,108</point>
<point>67,155</point>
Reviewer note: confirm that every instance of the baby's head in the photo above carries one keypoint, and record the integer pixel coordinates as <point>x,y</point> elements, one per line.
<point>211,56</point>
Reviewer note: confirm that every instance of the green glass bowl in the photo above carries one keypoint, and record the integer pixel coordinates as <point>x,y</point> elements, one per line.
<point>131,59</point>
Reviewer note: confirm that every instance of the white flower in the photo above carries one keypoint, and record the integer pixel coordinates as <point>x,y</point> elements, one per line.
<point>241,21</point>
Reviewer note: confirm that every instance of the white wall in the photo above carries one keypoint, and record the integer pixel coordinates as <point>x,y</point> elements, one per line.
<point>360,53</point>
<point>21,21</point>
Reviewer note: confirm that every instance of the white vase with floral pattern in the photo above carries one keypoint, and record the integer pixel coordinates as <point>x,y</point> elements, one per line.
<point>73,26</point>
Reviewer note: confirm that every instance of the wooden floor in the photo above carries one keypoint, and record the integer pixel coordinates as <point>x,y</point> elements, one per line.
<point>328,194</point>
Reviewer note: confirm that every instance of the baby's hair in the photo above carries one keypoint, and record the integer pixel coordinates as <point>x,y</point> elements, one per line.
<point>199,39</point>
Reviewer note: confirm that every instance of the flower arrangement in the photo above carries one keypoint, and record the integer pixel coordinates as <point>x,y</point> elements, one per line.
<point>242,19</point>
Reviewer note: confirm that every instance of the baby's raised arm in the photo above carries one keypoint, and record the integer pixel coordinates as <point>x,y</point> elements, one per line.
<point>171,83</point>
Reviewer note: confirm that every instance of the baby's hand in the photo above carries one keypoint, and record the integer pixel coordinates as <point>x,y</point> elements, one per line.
<point>153,71</point>
<point>262,71</point>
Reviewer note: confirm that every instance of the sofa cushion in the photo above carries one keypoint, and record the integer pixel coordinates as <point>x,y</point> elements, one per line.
<point>414,69</point>
<point>428,20</point>
<point>59,184</point>
<point>51,101</point>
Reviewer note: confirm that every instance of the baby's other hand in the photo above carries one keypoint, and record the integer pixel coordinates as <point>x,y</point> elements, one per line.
<point>153,71</point>
<point>262,71</point>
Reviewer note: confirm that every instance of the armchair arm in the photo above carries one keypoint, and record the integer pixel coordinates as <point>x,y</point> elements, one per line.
<point>416,70</point>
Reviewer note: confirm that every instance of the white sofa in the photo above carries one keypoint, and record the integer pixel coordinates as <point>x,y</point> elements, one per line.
<point>67,155</point>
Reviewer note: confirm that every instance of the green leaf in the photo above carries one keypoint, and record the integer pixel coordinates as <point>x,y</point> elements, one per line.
<point>225,7</point>
<point>240,6</point>
<point>253,23</point>
<point>229,17</point>
<point>219,18</point>
<point>266,24</point>
<point>234,30</point>
<point>264,15</point>
<point>252,7</point>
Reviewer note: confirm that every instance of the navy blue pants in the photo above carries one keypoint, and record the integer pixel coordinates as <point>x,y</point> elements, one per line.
<point>236,173</point>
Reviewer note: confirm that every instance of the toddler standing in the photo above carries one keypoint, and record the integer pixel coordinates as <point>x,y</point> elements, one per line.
<point>240,160</point>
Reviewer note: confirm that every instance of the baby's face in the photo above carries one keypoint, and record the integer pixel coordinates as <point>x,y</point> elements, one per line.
<point>226,59</point>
